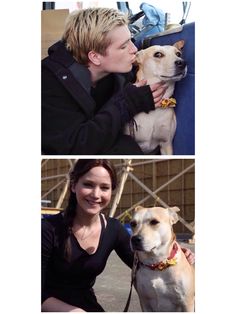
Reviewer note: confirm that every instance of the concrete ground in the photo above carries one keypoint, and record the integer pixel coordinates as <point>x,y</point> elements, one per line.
<point>113,285</point>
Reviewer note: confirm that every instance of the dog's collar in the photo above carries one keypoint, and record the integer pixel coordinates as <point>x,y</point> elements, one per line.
<point>168,102</point>
<point>170,261</point>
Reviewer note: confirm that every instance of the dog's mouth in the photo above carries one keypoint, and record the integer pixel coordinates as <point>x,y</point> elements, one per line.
<point>141,248</point>
<point>139,245</point>
<point>172,77</point>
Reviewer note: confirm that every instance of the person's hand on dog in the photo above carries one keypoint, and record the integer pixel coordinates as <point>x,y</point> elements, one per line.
<point>189,255</point>
<point>157,89</point>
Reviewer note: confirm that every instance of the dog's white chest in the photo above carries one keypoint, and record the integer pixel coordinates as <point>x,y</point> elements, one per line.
<point>158,291</point>
<point>156,128</point>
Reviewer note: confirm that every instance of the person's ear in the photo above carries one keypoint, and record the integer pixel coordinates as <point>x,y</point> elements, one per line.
<point>94,57</point>
<point>72,187</point>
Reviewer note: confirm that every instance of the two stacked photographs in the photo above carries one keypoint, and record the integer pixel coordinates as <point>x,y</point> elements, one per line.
<point>118,156</point>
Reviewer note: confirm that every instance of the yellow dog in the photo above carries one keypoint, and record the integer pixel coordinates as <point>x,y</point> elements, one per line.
<point>157,128</point>
<point>164,279</point>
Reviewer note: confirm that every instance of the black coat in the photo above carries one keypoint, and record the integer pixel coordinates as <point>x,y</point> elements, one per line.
<point>80,120</point>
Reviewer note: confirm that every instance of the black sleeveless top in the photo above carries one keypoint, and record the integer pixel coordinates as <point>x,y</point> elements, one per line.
<point>72,281</point>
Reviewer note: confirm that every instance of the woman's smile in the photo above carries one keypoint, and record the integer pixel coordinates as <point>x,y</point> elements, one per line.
<point>93,190</point>
<point>93,203</point>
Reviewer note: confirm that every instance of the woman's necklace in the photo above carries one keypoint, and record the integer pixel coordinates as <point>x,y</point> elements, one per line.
<point>84,235</point>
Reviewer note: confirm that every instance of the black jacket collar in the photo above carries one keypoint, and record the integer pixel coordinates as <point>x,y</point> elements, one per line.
<point>60,54</point>
<point>80,73</point>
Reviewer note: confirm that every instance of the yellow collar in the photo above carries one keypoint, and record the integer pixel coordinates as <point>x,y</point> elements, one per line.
<point>170,261</point>
<point>164,264</point>
<point>168,102</point>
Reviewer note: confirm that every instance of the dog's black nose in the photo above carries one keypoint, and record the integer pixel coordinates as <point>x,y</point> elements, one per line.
<point>136,242</point>
<point>180,64</point>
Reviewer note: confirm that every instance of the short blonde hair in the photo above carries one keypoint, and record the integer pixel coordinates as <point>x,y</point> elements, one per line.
<point>87,30</point>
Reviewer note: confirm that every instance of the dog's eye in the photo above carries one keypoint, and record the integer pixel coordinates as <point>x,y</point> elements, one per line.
<point>154,222</point>
<point>133,224</point>
<point>158,54</point>
<point>178,54</point>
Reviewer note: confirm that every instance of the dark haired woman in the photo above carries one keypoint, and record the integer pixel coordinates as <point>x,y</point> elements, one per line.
<point>77,242</point>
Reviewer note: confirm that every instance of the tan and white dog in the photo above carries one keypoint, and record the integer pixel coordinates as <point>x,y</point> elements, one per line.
<point>157,128</point>
<point>164,279</point>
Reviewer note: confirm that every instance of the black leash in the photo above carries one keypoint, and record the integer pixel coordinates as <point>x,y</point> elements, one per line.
<point>134,268</point>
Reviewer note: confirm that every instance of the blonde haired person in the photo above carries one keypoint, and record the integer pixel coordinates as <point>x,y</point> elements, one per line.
<point>87,90</point>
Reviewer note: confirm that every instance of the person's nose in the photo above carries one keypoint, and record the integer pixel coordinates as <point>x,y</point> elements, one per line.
<point>133,49</point>
<point>96,192</point>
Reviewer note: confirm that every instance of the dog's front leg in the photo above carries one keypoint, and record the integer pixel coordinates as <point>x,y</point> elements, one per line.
<point>189,306</point>
<point>166,149</point>
<point>149,306</point>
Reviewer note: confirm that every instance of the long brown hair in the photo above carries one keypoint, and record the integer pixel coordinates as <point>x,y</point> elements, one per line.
<point>81,167</point>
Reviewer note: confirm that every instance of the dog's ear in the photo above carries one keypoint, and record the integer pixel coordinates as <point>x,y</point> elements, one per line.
<point>179,44</point>
<point>175,209</point>
<point>173,214</point>
<point>138,208</point>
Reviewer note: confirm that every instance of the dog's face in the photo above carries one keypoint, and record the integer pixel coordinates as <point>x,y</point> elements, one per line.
<point>152,227</point>
<point>163,62</point>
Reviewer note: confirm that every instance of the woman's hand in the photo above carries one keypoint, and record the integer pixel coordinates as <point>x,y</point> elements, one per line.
<point>157,89</point>
<point>55,305</point>
<point>189,255</point>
